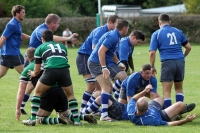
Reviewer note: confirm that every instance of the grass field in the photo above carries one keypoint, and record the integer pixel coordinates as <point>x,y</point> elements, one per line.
<point>9,86</point>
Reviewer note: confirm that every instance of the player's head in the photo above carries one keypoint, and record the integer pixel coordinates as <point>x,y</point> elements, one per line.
<point>163,19</point>
<point>146,71</point>
<point>136,37</point>
<point>47,36</point>
<point>111,21</point>
<point>52,21</point>
<point>18,11</point>
<point>30,53</point>
<point>142,105</point>
<point>122,26</point>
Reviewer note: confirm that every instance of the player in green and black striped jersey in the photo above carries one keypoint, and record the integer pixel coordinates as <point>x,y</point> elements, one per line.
<point>56,70</point>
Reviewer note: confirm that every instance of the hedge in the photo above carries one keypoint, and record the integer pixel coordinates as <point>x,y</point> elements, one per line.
<point>84,25</point>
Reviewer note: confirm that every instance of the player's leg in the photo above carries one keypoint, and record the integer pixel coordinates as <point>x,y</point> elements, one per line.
<point>105,94</point>
<point>175,109</point>
<point>29,89</point>
<point>81,62</point>
<point>3,70</point>
<point>19,68</point>
<point>92,99</point>
<point>35,102</point>
<point>168,69</point>
<point>178,80</point>
<point>118,77</point>
<point>90,87</point>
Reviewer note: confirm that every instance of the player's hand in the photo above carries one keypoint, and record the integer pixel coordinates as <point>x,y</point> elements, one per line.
<point>17,114</point>
<point>73,37</point>
<point>31,73</point>
<point>148,88</point>
<point>153,72</point>
<point>190,117</point>
<point>106,73</point>
<point>122,66</point>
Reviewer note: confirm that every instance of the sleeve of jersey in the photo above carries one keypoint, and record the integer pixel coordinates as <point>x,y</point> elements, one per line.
<point>108,42</point>
<point>38,58</point>
<point>9,30</point>
<point>184,39</point>
<point>123,51</point>
<point>154,84</point>
<point>153,121</point>
<point>153,42</point>
<point>96,37</point>
<point>131,108</point>
<point>24,76</point>
<point>130,88</point>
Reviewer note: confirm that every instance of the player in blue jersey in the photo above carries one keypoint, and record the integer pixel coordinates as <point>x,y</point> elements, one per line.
<point>104,64</point>
<point>124,53</point>
<point>141,112</point>
<point>136,83</point>
<point>10,56</point>
<point>84,52</point>
<point>126,48</point>
<point>169,41</point>
<point>52,22</point>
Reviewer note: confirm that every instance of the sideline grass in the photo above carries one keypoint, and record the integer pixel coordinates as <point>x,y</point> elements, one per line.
<point>9,87</point>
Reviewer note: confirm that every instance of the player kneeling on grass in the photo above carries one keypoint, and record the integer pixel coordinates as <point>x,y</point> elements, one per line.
<point>152,114</point>
<point>54,98</point>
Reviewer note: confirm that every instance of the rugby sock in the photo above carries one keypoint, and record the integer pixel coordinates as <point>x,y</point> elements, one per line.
<point>116,88</point>
<point>26,97</point>
<point>179,97</point>
<point>35,104</point>
<point>167,102</point>
<point>104,103</point>
<point>70,117</point>
<point>52,121</point>
<point>85,98</point>
<point>92,108</point>
<point>73,106</point>
<point>116,95</point>
<point>92,98</point>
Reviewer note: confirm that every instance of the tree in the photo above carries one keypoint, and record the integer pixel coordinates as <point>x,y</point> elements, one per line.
<point>192,6</point>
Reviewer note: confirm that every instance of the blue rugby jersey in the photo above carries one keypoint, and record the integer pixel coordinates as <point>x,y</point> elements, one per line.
<point>110,40</point>
<point>135,84</point>
<point>92,39</point>
<point>13,33</point>
<point>169,41</point>
<point>36,36</point>
<point>151,118</point>
<point>124,49</point>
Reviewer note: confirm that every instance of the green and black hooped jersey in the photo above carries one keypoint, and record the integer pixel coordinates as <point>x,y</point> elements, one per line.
<point>24,75</point>
<point>53,54</point>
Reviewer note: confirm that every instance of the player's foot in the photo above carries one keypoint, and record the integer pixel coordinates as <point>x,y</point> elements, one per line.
<point>23,112</point>
<point>107,119</point>
<point>64,119</point>
<point>188,108</point>
<point>29,122</point>
<point>90,119</point>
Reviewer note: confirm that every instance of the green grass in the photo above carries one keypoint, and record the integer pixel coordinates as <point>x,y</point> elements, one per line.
<point>9,86</point>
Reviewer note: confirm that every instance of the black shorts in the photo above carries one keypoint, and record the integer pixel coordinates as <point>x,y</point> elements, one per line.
<point>54,98</point>
<point>11,61</point>
<point>122,94</point>
<point>163,114</point>
<point>172,70</point>
<point>116,110</point>
<point>60,76</point>
<point>81,63</point>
